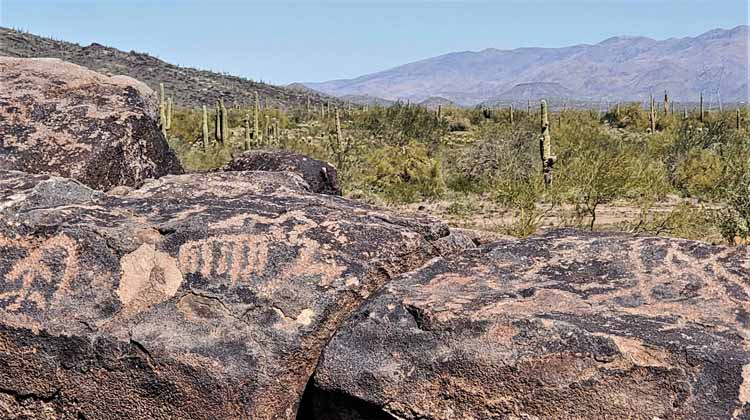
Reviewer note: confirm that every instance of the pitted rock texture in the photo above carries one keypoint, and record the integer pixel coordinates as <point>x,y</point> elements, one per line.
<point>563,326</point>
<point>203,296</point>
<point>319,175</point>
<point>61,119</point>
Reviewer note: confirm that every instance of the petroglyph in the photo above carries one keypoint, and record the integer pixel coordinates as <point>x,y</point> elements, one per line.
<point>49,265</point>
<point>238,257</point>
<point>235,257</point>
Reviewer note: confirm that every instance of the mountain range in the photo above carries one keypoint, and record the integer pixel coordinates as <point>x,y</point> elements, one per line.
<point>618,68</point>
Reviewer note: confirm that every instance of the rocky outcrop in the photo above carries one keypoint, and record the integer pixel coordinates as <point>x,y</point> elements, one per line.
<point>563,326</point>
<point>203,296</point>
<point>319,175</point>
<point>61,119</point>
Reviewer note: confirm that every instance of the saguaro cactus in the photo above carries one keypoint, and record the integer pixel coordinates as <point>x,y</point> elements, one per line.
<point>339,136</point>
<point>224,122</point>
<point>701,105</point>
<point>276,141</point>
<point>217,124</point>
<point>267,130</point>
<point>247,132</point>
<point>652,115</point>
<point>545,147</point>
<point>257,136</point>
<point>510,113</point>
<point>169,113</point>
<point>739,119</point>
<point>666,103</point>
<point>162,111</point>
<point>205,139</point>
<point>439,113</point>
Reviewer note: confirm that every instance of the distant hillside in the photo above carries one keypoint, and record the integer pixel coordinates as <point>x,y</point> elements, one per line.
<point>434,101</point>
<point>187,86</point>
<point>619,68</point>
<point>537,90</point>
<point>367,100</point>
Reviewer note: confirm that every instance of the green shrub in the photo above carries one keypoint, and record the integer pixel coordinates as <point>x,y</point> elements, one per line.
<point>403,174</point>
<point>698,173</point>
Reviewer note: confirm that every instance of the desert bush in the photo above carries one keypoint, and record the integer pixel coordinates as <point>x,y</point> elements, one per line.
<point>698,173</point>
<point>402,173</point>
<point>401,124</point>
<point>631,116</point>
<point>684,221</point>
<point>499,155</point>
<point>195,159</point>
<point>593,168</point>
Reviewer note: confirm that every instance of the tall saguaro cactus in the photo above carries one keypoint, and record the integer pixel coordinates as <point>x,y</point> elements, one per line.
<point>276,140</point>
<point>545,147</point>
<point>224,122</point>
<point>666,103</point>
<point>162,111</point>
<point>510,112</point>
<point>701,105</point>
<point>652,115</point>
<point>217,124</point>
<point>339,136</point>
<point>257,136</point>
<point>267,130</point>
<point>169,113</point>
<point>739,119</point>
<point>247,132</point>
<point>205,128</point>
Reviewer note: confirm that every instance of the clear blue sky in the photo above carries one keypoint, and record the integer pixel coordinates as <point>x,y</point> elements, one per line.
<point>283,42</point>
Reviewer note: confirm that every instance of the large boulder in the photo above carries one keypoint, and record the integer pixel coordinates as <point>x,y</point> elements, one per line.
<point>61,119</point>
<point>203,296</point>
<point>563,326</point>
<point>319,175</point>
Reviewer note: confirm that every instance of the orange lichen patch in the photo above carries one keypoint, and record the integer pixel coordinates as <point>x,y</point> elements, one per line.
<point>234,256</point>
<point>147,277</point>
<point>35,268</point>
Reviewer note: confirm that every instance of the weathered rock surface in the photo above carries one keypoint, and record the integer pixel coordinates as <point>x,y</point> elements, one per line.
<point>320,176</point>
<point>563,326</point>
<point>204,296</point>
<point>62,119</point>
